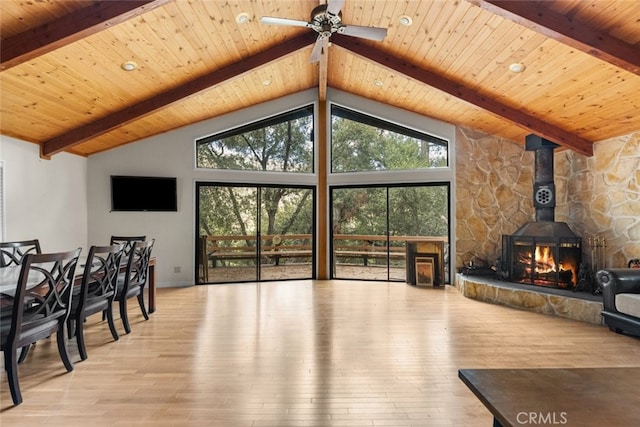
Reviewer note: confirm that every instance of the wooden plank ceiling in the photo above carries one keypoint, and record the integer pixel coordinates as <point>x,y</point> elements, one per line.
<point>62,85</point>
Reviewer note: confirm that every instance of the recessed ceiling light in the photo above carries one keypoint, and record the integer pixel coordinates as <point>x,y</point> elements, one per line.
<point>242,18</point>
<point>378,83</point>
<point>266,82</point>
<point>517,67</point>
<point>129,66</point>
<point>405,20</point>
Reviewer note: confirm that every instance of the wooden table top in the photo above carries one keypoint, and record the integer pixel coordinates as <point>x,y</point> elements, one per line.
<point>569,397</point>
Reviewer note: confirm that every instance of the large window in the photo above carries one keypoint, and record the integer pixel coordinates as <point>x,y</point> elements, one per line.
<point>389,187</point>
<point>363,143</point>
<point>283,143</point>
<point>389,193</point>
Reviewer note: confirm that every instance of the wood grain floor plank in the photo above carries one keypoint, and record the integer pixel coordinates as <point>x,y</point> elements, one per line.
<point>300,353</point>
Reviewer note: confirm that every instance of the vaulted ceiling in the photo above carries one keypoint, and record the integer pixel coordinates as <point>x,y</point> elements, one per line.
<point>63,86</point>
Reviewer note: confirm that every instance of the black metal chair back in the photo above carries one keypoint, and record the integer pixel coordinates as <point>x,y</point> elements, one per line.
<point>41,306</point>
<point>97,292</point>
<point>128,242</point>
<point>12,253</point>
<point>134,280</point>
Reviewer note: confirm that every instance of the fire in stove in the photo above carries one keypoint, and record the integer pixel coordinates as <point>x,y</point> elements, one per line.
<point>543,261</point>
<point>542,269</point>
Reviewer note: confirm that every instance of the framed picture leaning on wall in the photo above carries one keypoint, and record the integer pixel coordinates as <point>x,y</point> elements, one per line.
<point>425,271</point>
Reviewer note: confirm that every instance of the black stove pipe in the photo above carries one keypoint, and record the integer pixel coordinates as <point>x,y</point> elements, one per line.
<point>544,192</point>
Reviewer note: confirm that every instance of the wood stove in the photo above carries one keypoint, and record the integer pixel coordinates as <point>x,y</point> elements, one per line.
<point>544,252</point>
<point>543,261</point>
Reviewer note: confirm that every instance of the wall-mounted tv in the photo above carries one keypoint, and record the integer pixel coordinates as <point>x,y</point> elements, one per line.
<point>144,193</point>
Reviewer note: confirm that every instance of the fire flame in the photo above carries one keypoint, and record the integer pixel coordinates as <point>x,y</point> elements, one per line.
<point>544,260</point>
<point>545,264</point>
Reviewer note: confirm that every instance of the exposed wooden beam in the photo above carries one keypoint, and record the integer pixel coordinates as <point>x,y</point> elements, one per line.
<point>323,71</point>
<point>432,79</point>
<point>70,28</point>
<point>565,29</point>
<point>164,99</point>
<point>323,195</point>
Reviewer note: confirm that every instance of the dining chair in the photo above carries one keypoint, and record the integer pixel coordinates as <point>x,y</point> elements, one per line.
<point>41,306</point>
<point>12,253</point>
<point>132,282</point>
<point>128,242</point>
<point>96,293</point>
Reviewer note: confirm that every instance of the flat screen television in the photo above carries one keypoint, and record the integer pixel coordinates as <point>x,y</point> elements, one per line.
<point>144,193</point>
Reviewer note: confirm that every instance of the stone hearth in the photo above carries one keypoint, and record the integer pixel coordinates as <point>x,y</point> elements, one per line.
<point>578,306</point>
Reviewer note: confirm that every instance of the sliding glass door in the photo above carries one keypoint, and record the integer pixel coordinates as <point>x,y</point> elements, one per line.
<point>252,233</point>
<point>372,225</point>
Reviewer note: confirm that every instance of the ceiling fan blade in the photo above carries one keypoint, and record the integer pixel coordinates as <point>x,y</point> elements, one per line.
<point>316,53</point>
<point>371,33</point>
<point>283,21</point>
<point>334,6</point>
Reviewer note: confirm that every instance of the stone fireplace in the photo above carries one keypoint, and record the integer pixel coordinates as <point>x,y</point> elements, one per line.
<point>598,197</point>
<point>544,252</point>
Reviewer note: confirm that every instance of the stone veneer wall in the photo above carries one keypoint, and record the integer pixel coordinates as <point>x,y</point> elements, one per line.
<point>600,196</point>
<point>494,187</point>
<point>597,195</point>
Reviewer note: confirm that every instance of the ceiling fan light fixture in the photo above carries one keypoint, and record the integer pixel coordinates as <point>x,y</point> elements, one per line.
<point>517,67</point>
<point>405,20</point>
<point>242,18</point>
<point>129,66</point>
<point>326,19</point>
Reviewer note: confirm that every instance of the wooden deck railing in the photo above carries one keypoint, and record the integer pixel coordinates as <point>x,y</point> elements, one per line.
<point>273,247</point>
<point>367,247</point>
<point>216,249</point>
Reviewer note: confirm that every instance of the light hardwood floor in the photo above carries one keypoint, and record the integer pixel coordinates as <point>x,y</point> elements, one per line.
<point>300,353</point>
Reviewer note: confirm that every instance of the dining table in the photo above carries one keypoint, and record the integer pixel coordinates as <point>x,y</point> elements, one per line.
<point>10,275</point>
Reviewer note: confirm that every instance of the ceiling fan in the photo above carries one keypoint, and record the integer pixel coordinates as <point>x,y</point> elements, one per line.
<point>326,19</point>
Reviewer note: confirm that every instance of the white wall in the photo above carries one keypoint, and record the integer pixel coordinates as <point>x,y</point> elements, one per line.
<point>44,199</point>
